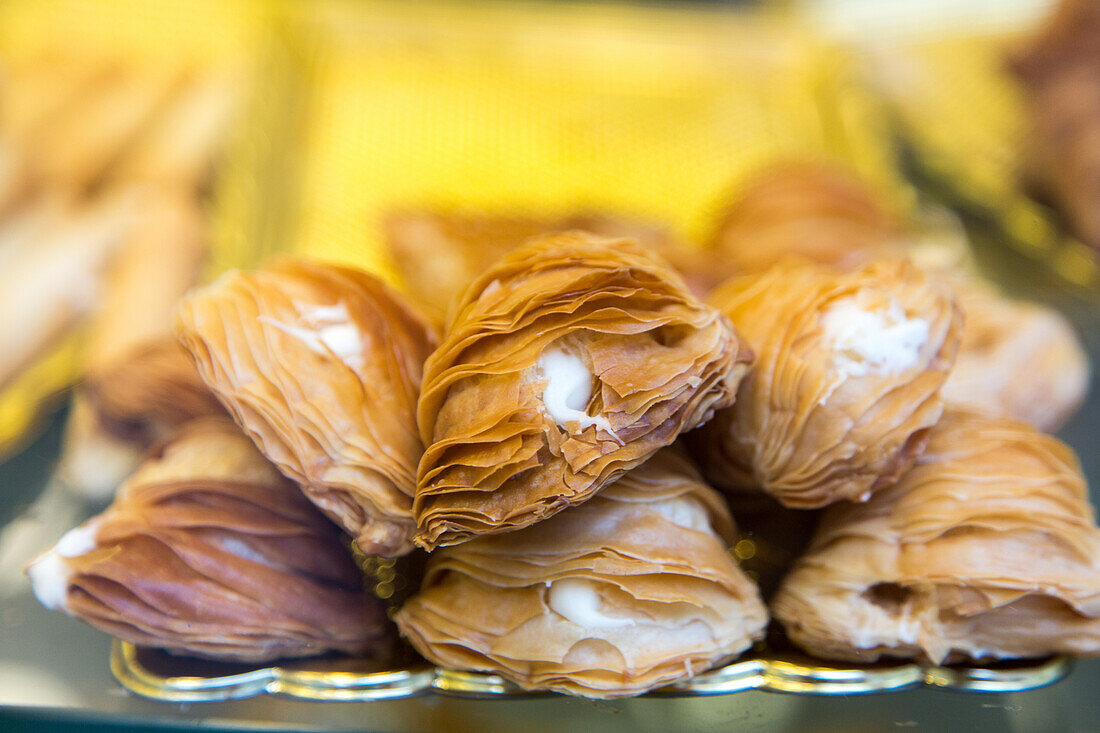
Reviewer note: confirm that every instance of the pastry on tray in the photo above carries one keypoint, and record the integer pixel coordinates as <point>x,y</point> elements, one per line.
<point>986,549</point>
<point>440,253</point>
<point>632,590</point>
<point>569,362</point>
<point>847,381</point>
<point>1017,359</point>
<point>209,551</point>
<point>321,365</point>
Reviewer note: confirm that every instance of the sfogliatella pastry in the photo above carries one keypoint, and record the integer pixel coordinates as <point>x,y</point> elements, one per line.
<point>568,363</point>
<point>804,208</point>
<point>986,549</point>
<point>1017,359</point>
<point>125,407</point>
<point>440,253</point>
<point>847,380</point>
<point>321,365</point>
<point>632,590</point>
<point>209,551</point>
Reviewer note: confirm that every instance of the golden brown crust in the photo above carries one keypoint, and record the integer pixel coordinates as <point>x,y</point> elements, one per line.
<point>321,365</point>
<point>654,362</point>
<point>848,376</point>
<point>209,551</point>
<point>986,548</point>
<point>632,590</point>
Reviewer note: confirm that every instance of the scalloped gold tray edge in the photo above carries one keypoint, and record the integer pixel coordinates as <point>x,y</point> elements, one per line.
<point>321,681</point>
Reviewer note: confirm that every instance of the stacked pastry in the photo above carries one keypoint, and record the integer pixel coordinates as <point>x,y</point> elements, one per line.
<point>218,545</point>
<point>953,532</point>
<point>1015,358</point>
<point>629,591</point>
<point>570,362</point>
<point>530,449</point>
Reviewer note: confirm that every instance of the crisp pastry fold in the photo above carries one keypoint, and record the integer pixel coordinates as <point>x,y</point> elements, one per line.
<point>209,551</point>
<point>1017,359</point>
<point>847,380</point>
<point>321,365</point>
<point>571,361</point>
<point>632,590</point>
<point>986,549</point>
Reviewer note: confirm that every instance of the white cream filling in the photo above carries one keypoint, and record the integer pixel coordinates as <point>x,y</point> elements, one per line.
<point>577,601</point>
<point>78,540</point>
<point>878,342</point>
<point>683,511</point>
<point>568,389</point>
<point>330,330</point>
<point>50,574</point>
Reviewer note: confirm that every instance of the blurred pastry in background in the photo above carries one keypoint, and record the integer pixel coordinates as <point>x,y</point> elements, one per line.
<point>54,258</point>
<point>209,551</point>
<point>808,208</point>
<point>181,144</point>
<point>986,549</point>
<point>14,178</point>
<point>632,590</point>
<point>1017,359</point>
<point>138,383</point>
<point>847,381</point>
<point>438,254</point>
<point>1059,74</point>
<point>76,148</point>
<point>567,363</point>
<point>102,166</point>
<point>321,365</point>
<point>160,260</point>
<point>122,409</point>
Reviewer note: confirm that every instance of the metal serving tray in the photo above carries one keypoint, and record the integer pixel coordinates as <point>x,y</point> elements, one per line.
<point>155,674</point>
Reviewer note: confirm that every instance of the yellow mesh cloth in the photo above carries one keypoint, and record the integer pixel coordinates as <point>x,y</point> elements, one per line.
<point>655,113</point>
